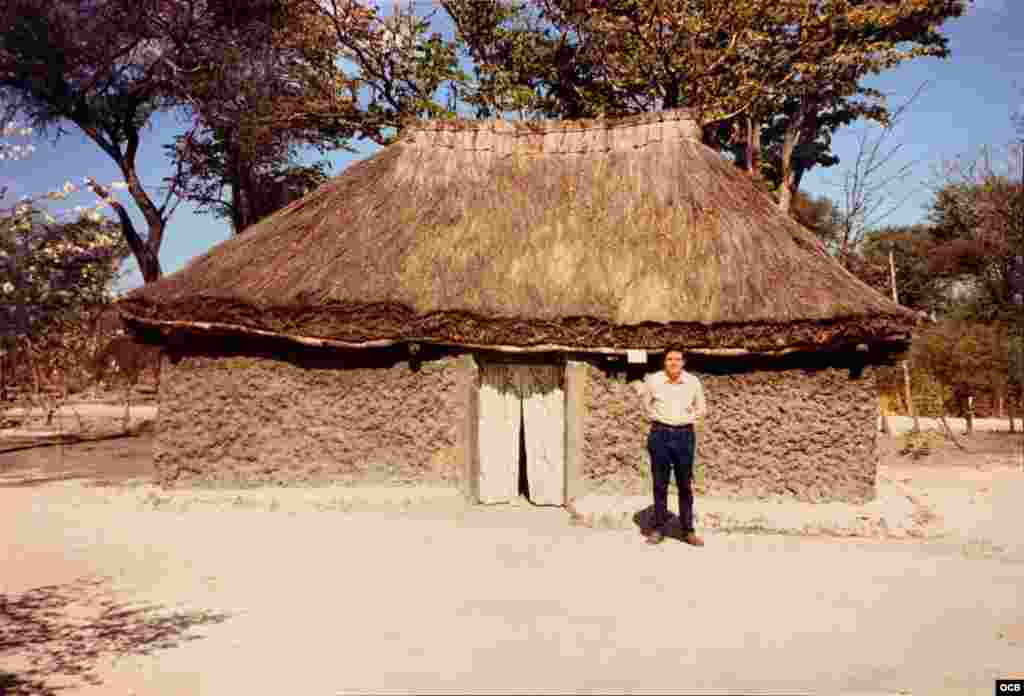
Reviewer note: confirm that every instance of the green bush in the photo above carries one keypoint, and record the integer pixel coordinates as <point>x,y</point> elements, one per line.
<point>965,357</point>
<point>930,395</point>
<point>919,445</point>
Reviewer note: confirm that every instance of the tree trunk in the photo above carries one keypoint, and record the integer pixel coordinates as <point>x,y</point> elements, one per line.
<point>242,204</point>
<point>786,190</point>
<point>3,375</point>
<point>911,411</point>
<point>792,175</point>
<point>803,127</point>
<point>32,366</point>
<point>58,383</point>
<point>234,182</point>
<point>250,212</point>
<point>127,405</point>
<point>144,251</point>
<point>154,220</point>
<point>808,134</point>
<point>753,147</point>
<point>670,100</point>
<point>949,431</point>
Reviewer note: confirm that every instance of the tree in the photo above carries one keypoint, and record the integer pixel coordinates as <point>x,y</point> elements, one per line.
<point>865,202</point>
<point>770,81</point>
<point>1016,348</point>
<point>267,65</point>
<point>14,151</point>
<point>527,64</point>
<point>615,57</point>
<point>51,273</point>
<point>967,357</point>
<point>977,214</point>
<point>259,85</point>
<point>264,82</point>
<point>400,68</point>
<point>1015,351</point>
<point>257,180</point>
<point>868,182</point>
<point>94,65</point>
<point>820,215</point>
<point>910,247</point>
<point>49,268</point>
<point>820,53</point>
<point>820,99</point>
<point>106,66</point>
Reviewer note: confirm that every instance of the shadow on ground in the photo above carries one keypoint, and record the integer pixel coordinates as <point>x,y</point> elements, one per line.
<point>26,443</point>
<point>112,457</point>
<point>672,529</point>
<point>58,633</point>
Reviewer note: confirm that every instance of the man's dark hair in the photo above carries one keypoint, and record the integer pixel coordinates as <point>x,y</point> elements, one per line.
<point>676,349</point>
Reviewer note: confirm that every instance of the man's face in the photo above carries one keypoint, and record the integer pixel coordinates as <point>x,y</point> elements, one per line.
<point>674,363</point>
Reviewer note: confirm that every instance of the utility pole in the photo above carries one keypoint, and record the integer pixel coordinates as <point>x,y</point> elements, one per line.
<point>906,367</point>
<point>1016,381</point>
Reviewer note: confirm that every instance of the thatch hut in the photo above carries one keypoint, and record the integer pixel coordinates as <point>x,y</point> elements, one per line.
<point>475,304</point>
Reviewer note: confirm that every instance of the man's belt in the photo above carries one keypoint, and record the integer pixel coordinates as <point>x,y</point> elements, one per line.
<point>659,424</point>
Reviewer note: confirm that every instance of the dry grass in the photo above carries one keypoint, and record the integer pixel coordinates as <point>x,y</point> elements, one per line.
<point>447,235</point>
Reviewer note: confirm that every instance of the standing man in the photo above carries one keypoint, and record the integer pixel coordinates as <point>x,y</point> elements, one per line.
<point>674,401</point>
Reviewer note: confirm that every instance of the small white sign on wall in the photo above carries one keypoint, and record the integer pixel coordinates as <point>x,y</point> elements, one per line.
<point>636,357</point>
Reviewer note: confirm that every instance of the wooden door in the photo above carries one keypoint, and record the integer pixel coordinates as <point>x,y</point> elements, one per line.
<point>514,396</point>
<point>544,424</point>
<point>500,420</point>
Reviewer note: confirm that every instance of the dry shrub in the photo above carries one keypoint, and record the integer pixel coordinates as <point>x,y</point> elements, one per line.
<point>918,445</point>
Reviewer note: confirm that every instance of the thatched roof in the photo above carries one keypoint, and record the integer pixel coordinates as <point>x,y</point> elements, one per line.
<point>583,234</point>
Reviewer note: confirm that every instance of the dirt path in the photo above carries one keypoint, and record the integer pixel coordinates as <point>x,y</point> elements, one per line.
<point>258,602</point>
<point>104,592</point>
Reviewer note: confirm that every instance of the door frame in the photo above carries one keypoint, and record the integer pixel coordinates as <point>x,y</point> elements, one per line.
<point>571,431</point>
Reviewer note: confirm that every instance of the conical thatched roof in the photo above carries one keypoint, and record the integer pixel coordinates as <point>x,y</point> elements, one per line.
<point>581,234</point>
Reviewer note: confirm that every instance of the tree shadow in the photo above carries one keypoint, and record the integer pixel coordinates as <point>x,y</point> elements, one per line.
<point>644,518</point>
<point>21,444</point>
<point>58,634</point>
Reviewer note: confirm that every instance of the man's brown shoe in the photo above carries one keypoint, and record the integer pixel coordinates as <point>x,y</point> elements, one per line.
<point>655,537</point>
<point>693,540</point>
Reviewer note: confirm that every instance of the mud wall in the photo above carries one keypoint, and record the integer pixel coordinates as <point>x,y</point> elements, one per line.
<point>800,433</point>
<point>256,421</point>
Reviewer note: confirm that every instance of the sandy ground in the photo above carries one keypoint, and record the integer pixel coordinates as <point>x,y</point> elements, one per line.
<point>68,419</point>
<point>903,424</point>
<point>108,586</point>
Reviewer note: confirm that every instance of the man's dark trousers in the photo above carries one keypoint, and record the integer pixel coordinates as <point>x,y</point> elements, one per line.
<point>672,449</point>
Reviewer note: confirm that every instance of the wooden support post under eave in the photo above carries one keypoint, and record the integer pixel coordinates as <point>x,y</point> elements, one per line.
<point>575,412</point>
<point>469,388</point>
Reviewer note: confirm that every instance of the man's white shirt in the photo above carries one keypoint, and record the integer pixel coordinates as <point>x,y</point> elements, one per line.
<point>671,403</point>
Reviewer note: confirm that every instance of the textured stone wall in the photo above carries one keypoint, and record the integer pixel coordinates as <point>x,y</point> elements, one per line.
<point>801,433</point>
<point>248,421</point>
<point>306,418</point>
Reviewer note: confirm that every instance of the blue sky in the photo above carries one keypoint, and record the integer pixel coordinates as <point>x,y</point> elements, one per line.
<point>967,104</point>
